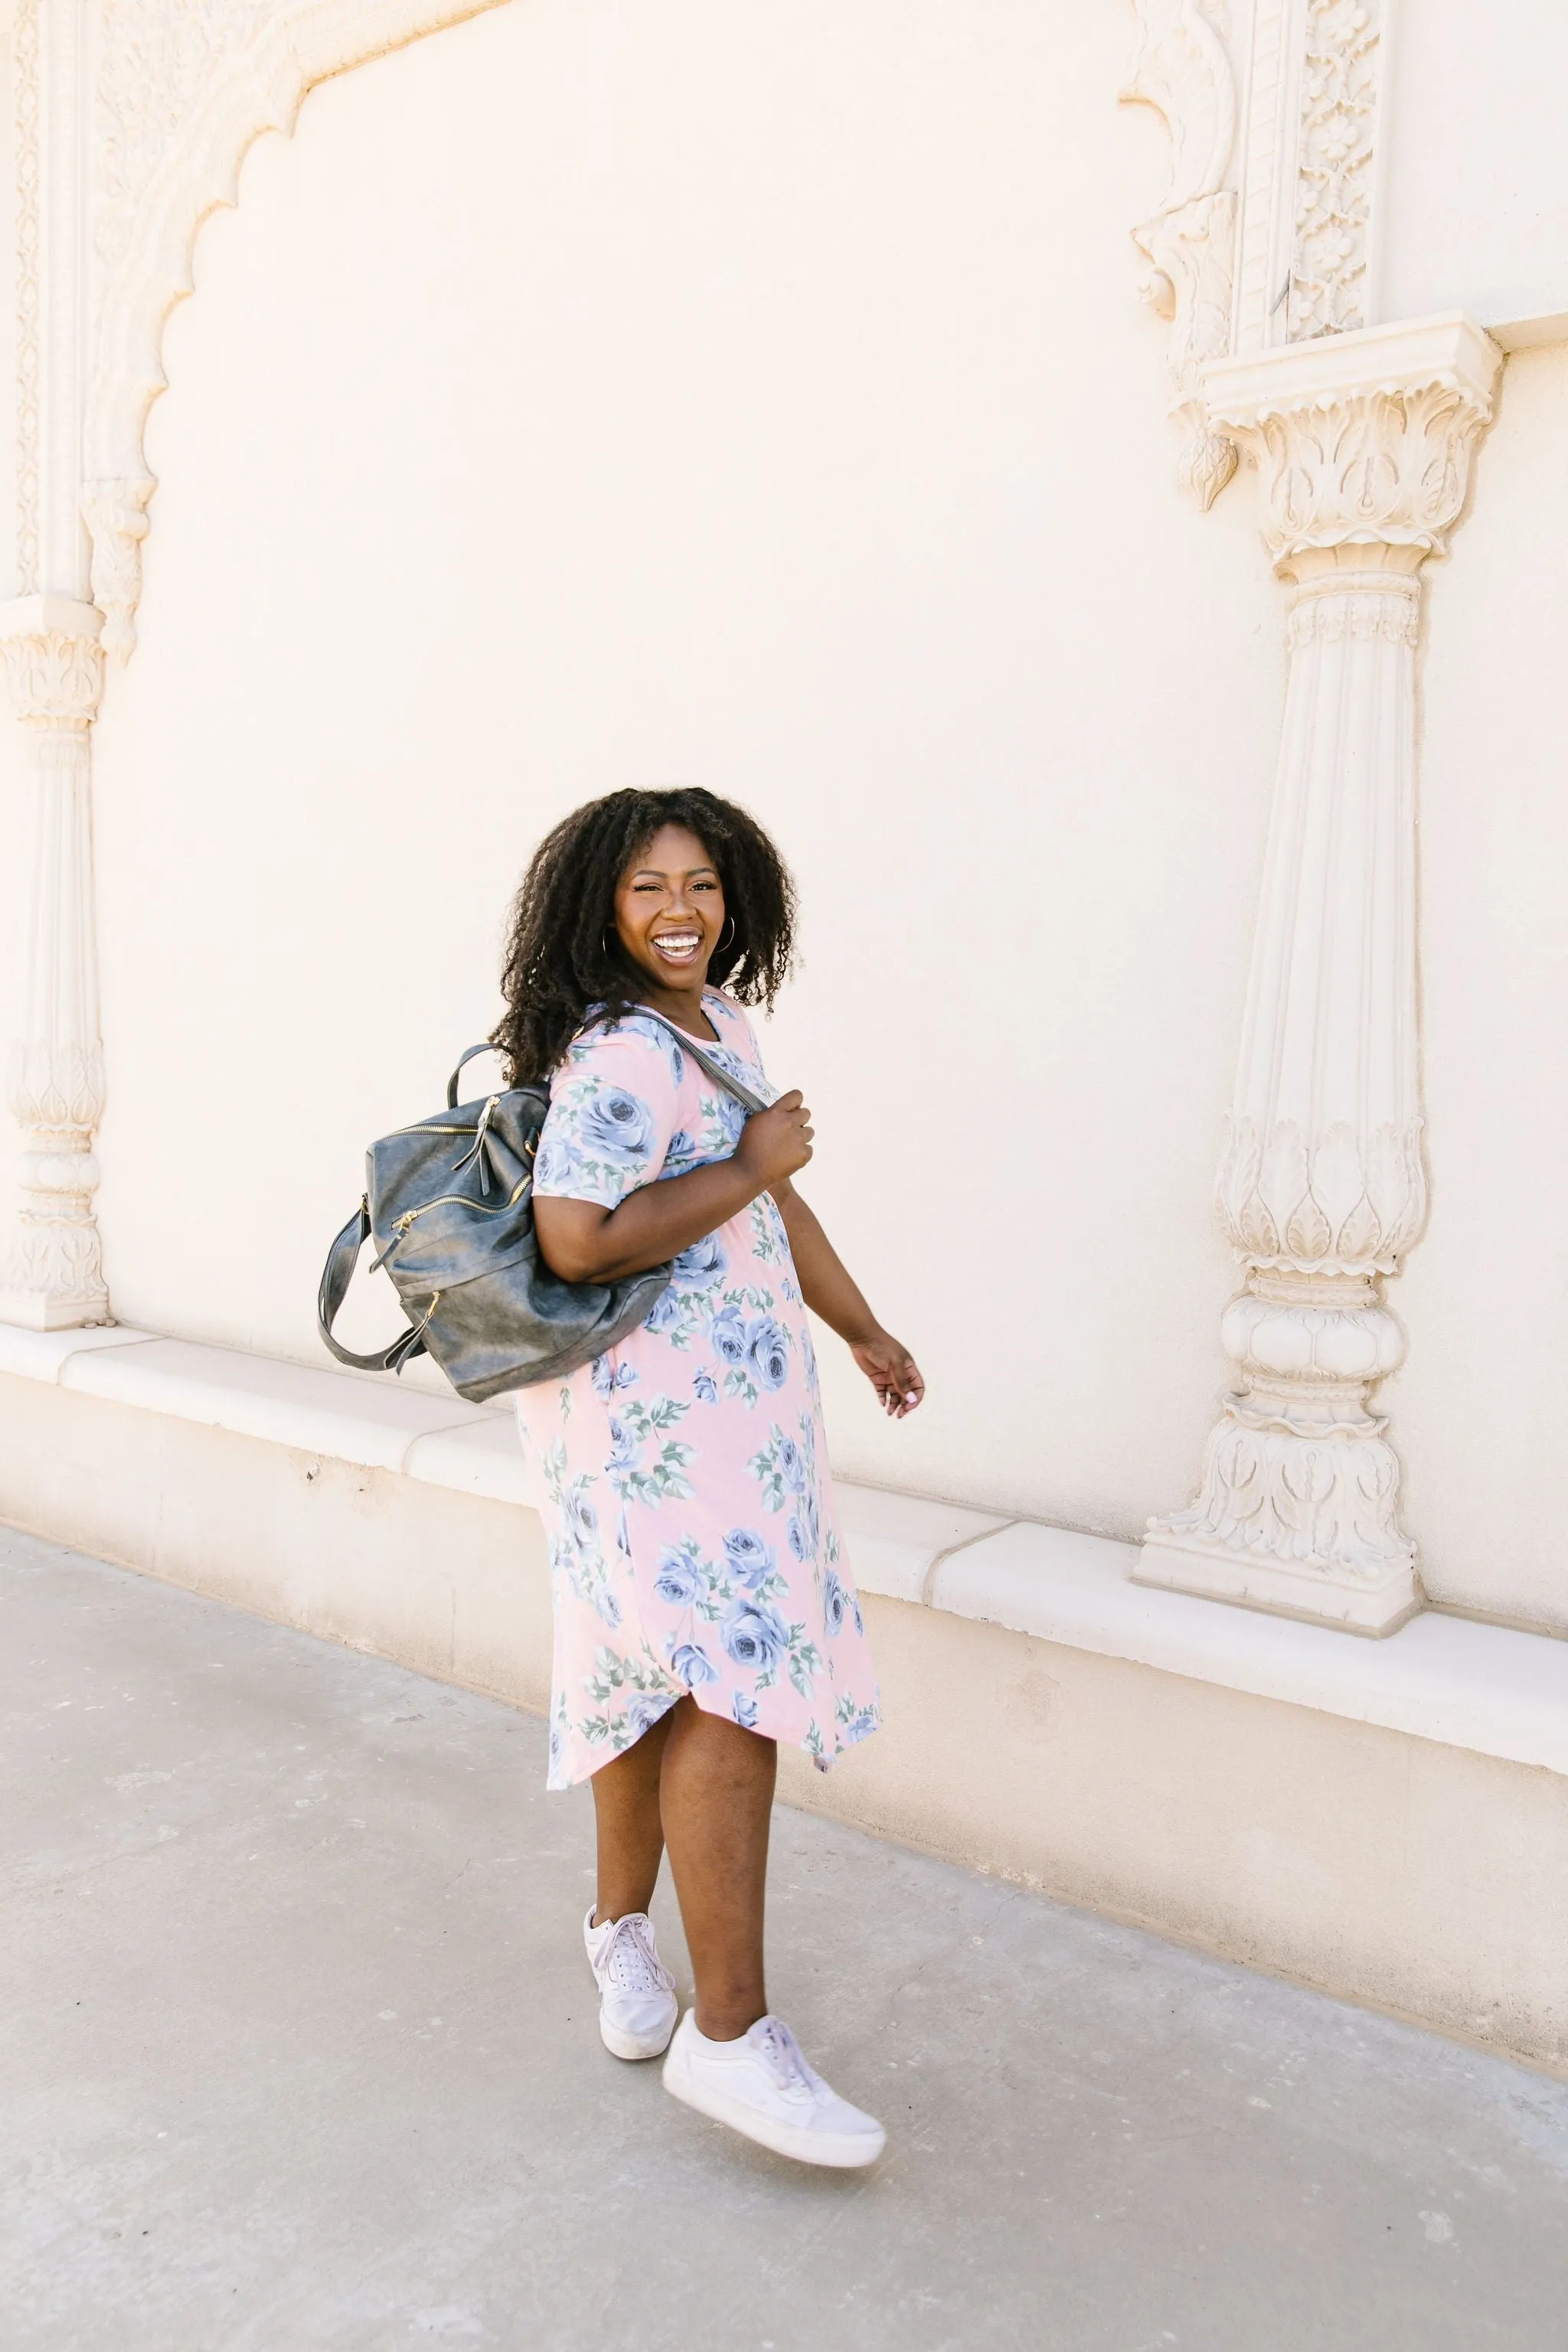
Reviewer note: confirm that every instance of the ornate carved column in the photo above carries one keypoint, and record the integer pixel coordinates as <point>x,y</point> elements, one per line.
<point>54,1276</point>
<point>1363,444</point>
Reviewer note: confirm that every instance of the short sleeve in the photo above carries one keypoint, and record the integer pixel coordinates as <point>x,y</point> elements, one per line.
<point>611,1114</point>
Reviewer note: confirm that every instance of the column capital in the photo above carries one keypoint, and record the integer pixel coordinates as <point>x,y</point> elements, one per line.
<point>1360,440</point>
<point>53,658</point>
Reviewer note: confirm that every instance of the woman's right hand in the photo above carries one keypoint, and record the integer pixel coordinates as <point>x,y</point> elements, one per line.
<point>775,1143</point>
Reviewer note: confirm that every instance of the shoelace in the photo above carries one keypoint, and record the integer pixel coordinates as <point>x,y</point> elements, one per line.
<point>784,2059</point>
<point>629,1961</point>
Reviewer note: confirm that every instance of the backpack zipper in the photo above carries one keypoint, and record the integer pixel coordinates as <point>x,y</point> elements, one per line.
<point>481,1208</point>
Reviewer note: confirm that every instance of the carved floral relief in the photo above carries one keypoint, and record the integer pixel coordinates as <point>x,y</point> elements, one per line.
<point>55,679</point>
<point>1340,1203</point>
<point>1389,466</point>
<point>1328,1504</point>
<point>1330,253</point>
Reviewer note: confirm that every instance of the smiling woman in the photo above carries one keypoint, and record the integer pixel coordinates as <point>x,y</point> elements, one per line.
<point>704,1609</point>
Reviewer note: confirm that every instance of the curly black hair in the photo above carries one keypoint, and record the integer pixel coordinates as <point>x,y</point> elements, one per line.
<point>563,955</point>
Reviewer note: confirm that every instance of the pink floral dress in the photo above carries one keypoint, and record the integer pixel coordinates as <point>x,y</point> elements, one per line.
<point>683,1475</point>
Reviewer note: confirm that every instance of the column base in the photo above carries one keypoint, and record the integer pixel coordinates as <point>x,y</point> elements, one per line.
<point>36,1310</point>
<point>1281,1588</point>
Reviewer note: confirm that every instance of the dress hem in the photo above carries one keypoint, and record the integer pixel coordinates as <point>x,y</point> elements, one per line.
<point>556,1786</point>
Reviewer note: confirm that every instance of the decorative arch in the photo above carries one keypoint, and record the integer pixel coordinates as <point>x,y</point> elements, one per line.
<point>183,89</point>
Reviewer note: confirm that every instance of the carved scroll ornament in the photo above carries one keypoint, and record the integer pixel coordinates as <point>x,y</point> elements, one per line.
<point>1183,70</point>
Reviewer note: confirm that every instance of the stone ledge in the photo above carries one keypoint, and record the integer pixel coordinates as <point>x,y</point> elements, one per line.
<point>1484,1688</point>
<point>351,1416</point>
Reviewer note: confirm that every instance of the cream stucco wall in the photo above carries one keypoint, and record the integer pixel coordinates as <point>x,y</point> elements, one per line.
<point>759,398</point>
<point>1482,1405</point>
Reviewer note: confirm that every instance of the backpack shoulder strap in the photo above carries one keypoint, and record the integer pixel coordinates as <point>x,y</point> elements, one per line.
<point>750,1103</point>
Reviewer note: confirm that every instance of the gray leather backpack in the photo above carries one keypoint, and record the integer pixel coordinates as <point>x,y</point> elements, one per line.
<point>449,1205</point>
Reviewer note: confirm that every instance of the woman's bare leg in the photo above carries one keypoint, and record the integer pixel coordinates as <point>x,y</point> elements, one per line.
<point>717,1795</point>
<point>630,1833</point>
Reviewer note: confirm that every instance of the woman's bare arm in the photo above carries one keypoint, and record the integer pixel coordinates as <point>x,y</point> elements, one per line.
<point>830,1291</point>
<point>581,1241</point>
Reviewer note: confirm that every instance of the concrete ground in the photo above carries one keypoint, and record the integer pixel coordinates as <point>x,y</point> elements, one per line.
<point>298,2050</point>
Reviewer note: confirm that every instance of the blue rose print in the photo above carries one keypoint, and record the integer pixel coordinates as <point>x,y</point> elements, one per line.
<point>727,1336</point>
<point>657,1034</point>
<point>703,1382</point>
<point>732,1117</point>
<point>744,1711</point>
<point>646,1709</point>
<point>792,1466</point>
<point>748,1555</point>
<point>805,1528</point>
<point>623,1447</point>
<point>664,1313</point>
<point>754,1634</point>
<point>617,1125</point>
<point>767,1345</point>
<point>835,1602</point>
<point>700,1266</point>
<point>693,1665</point>
<point>680,1580</point>
<point>608,1607</point>
<point>582,1520</point>
<point>555,1164</point>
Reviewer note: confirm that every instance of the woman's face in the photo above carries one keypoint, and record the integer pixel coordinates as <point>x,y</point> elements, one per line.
<point>669,911</point>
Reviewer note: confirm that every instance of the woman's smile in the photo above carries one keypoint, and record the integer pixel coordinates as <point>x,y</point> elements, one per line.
<point>677,946</point>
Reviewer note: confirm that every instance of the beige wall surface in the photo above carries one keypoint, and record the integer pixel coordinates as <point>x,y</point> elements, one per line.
<point>759,398</point>
<point>1474,201</point>
<point>1481,1406</point>
<point>14,812</point>
<point>593,396</point>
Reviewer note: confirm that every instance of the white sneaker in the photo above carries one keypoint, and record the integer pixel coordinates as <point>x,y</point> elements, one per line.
<point>637,2007</point>
<point>762,2086</point>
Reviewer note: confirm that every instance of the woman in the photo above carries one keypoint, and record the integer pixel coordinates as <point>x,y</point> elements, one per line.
<point>703,1607</point>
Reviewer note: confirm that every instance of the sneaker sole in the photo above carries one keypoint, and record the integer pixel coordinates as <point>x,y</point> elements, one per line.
<point>634,2045</point>
<point>841,2151</point>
